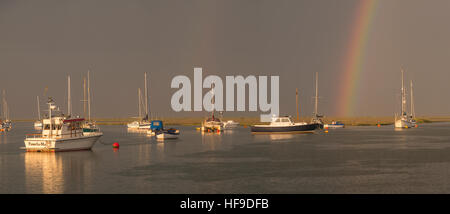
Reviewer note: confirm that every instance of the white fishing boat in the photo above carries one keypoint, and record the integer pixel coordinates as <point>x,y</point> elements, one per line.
<point>403,121</point>
<point>60,134</point>
<point>143,122</point>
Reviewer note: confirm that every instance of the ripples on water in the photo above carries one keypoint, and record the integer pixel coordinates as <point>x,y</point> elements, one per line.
<point>350,160</point>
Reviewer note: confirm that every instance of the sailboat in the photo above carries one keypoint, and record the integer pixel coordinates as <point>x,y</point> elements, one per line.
<point>143,122</point>
<point>5,123</point>
<point>403,121</point>
<point>212,123</point>
<point>412,117</point>
<point>89,127</point>
<point>317,118</point>
<point>38,123</point>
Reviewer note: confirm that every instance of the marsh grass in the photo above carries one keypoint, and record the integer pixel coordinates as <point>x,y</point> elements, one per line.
<point>248,121</point>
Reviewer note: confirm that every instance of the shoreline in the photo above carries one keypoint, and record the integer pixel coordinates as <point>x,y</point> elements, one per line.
<point>248,121</point>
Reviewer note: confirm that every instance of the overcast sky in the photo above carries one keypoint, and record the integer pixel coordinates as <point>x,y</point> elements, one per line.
<point>41,42</point>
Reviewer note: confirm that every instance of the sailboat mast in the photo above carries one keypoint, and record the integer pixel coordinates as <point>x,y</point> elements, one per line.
<point>69,104</point>
<point>50,116</point>
<point>317,94</point>
<point>4,105</point>
<point>39,108</point>
<point>89,96</point>
<point>403,96</point>
<point>139,103</point>
<point>146,96</point>
<point>413,114</point>
<point>214,99</point>
<point>84,97</point>
<point>296,102</point>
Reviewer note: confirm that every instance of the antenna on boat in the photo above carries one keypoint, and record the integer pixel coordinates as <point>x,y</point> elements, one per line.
<point>50,107</point>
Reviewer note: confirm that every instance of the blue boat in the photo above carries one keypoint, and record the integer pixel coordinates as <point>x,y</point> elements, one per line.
<point>157,129</point>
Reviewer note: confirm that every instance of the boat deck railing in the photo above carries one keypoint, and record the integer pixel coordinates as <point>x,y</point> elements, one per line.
<point>54,136</point>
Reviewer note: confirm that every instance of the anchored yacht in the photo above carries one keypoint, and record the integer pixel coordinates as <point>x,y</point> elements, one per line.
<point>284,125</point>
<point>403,121</point>
<point>60,133</point>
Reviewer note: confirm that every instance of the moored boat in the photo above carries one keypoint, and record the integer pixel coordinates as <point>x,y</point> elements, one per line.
<point>157,129</point>
<point>284,125</point>
<point>143,122</point>
<point>317,118</point>
<point>334,125</point>
<point>230,124</point>
<point>212,124</point>
<point>61,134</point>
<point>168,134</point>
<point>403,121</point>
<point>6,123</point>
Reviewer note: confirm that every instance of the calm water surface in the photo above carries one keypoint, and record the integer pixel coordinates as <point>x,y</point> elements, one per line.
<point>350,160</point>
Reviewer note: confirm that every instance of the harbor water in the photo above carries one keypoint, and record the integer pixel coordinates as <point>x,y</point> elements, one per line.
<point>349,160</point>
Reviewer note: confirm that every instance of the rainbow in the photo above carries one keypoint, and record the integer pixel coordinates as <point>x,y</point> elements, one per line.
<point>354,58</point>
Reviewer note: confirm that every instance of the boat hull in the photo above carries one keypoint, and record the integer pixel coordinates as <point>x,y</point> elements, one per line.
<point>284,129</point>
<point>166,136</point>
<point>61,145</point>
<point>331,126</point>
<point>403,124</point>
<point>138,125</point>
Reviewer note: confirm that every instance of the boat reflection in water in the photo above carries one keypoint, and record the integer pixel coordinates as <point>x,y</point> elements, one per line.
<point>274,137</point>
<point>137,131</point>
<point>47,172</point>
<point>44,172</point>
<point>279,137</point>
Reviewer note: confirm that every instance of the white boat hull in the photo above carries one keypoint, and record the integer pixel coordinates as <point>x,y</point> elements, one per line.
<point>166,136</point>
<point>403,124</point>
<point>330,126</point>
<point>138,126</point>
<point>230,125</point>
<point>59,145</point>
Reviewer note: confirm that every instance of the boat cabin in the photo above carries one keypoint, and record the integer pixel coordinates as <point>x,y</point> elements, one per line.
<point>59,127</point>
<point>156,125</point>
<point>281,121</point>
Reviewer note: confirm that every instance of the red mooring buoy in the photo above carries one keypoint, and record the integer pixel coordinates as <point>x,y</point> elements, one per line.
<point>116,145</point>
